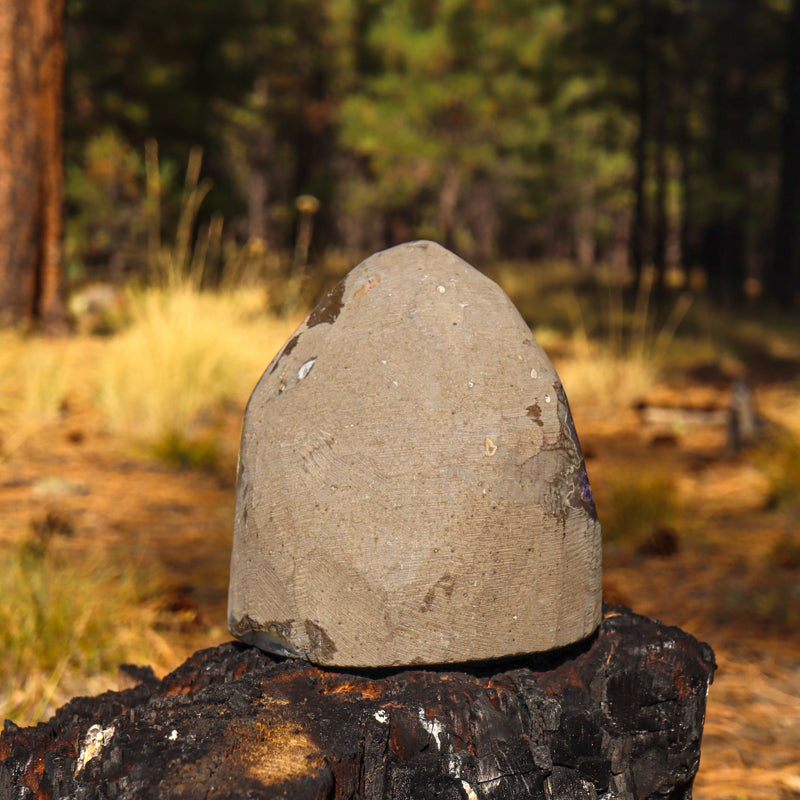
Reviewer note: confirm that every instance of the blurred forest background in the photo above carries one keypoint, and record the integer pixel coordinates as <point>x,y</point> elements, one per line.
<point>179,183</point>
<point>644,131</point>
<point>631,133</point>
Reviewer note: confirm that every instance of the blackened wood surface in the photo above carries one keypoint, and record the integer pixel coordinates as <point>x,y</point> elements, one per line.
<point>620,717</point>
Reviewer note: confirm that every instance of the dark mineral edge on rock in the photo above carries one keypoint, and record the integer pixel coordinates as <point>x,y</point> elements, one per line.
<point>620,716</point>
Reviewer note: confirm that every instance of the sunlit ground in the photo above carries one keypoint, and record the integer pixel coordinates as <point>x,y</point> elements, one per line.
<point>117,471</point>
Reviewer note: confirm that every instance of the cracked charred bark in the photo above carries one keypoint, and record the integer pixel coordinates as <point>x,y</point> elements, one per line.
<point>619,716</point>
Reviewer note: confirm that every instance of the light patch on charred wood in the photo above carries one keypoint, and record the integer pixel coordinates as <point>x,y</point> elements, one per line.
<point>93,743</point>
<point>283,754</point>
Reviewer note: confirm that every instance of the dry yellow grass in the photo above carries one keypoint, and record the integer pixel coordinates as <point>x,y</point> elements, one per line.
<point>606,379</point>
<point>185,354</point>
<point>607,353</point>
<point>35,379</point>
<point>65,619</point>
<point>68,616</point>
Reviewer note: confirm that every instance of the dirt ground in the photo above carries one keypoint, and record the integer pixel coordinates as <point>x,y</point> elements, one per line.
<point>704,576</point>
<point>711,587</point>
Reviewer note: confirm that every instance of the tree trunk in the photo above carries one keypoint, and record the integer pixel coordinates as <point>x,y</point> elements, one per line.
<point>639,222</point>
<point>687,254</point>
<point>484,218</point>
<point>784,278</point>
<point>724,243</point>
<point>31,172</point>
<point>257,204</point>
<point>661,224</point>
<point>448,204</point>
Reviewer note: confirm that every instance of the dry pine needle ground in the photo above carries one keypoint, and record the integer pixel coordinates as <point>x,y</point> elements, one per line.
<point>79,497</point>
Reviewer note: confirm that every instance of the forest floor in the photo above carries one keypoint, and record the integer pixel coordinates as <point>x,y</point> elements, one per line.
<point>731,577</point>
<point>696,536</point>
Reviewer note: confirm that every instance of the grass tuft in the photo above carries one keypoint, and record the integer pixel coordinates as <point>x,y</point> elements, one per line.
<point>771,601</point>
<point>185,354</point>
<point>202,453</point>
<point>61,617</point>
<point>619,355</point>
<point>780,462</point>
<point>637,506</point>
<point>614,348</point>
<point>36,378</point>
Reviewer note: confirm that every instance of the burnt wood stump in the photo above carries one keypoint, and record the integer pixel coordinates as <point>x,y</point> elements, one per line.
<point>617,716</point>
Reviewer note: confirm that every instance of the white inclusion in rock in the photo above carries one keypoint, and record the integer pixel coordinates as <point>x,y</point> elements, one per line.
<point>547,398</point>
<point>173,736</point>
<point>305,369</point>
<point>534,373</point>
<point>441,289</point>
<point>95,740</point>
<point>381,716</point>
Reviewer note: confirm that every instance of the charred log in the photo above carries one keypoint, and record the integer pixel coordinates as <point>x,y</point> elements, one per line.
<point>620,715</point>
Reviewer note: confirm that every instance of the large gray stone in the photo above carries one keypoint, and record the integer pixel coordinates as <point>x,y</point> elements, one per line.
<point>411,489</point>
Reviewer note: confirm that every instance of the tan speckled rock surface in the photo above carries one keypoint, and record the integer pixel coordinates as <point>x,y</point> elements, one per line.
<point>411,489</point>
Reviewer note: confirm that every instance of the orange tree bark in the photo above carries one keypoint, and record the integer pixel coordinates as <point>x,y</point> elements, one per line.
<point>31,172</point>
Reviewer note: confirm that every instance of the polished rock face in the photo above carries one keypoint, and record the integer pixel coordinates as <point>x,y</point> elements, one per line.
<point>411,489</point>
